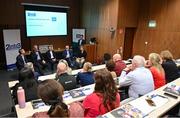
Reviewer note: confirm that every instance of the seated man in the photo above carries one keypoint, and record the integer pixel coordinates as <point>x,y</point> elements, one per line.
<point>21,59</point>
<point>38,60</point>
<point>139,79</point>
<point>67,81</point>
<point>51,57</point>
<point>81,57</point>
<point>119,64</point>
<point>67,55</point>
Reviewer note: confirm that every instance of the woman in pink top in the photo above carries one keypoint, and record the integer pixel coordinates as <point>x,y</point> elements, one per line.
<point>157,70</point>
<point>105,96</point>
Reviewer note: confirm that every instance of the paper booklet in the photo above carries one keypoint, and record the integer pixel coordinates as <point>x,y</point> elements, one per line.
<point>172,88</point>
<point>37,104</point>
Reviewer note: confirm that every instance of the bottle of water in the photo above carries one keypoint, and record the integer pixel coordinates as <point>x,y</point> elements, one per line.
<point>21,97</point>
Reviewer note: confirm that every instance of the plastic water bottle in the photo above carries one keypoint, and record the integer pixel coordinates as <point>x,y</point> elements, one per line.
<point>21,97</point>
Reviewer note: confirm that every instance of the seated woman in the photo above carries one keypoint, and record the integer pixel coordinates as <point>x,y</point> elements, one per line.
<point>170,68</point>
<point>110,65</point>
<point>29,84</point>
<point>81,57</point>
<point>105,96</point>
<point>50,91</point>
<point>157,70</point>
<point>86,77</point>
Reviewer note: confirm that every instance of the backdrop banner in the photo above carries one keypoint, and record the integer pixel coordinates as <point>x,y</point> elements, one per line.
<point>12,43</point>
<point>77,34</point>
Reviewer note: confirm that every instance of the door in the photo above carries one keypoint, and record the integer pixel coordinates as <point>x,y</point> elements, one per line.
<point>128,42</point>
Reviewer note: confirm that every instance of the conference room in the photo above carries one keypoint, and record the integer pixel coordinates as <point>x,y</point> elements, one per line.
<point>90,58</point>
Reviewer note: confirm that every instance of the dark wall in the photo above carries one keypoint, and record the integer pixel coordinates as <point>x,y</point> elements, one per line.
<point>12,17</point>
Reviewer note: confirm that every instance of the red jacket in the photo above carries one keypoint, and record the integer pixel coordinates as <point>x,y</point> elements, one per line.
<point>120,65</point>
<point>159,77</point>
<point>93,105</point>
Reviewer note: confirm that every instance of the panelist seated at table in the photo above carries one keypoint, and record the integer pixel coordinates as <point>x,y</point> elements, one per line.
<point>38,60</point>
<point>139,79</point>
<point>68,56</point>
<point>50,91</point>
<point>29,84</point>
<point>80,59</point>
<point>105,96</point>
<point>21,59</point>
<point>86,76</point>
<point>67,81</point>
<point>51,58</point>
<point>170,68</point>
<point>157,70</point>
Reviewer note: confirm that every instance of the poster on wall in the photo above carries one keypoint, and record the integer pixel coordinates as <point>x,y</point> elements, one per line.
<point>12,44</point>
<point>76,34</point>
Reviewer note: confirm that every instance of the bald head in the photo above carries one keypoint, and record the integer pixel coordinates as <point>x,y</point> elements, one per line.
<point>61,68</point>
<point>138,61</point>
<point>116,57</point>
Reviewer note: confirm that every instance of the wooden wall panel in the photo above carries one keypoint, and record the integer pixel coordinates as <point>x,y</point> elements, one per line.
<point>99,15</point>
<point>167,33</point>
<point>12,16</point>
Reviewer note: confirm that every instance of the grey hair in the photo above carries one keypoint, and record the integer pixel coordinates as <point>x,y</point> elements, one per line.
<point>139,60</point>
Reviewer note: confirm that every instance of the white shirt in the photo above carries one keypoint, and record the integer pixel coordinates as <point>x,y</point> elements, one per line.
<point>68,54</point>
<point>38,56</point>
<point>140,81</point>
<point>23,59</point>
<point>52,57</point>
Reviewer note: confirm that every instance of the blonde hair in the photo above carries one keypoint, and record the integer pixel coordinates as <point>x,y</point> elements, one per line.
<point>166,55</point>
<point>87,67</point>
<point>155,60</point>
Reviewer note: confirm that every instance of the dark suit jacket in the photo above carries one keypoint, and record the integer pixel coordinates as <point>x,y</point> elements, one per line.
<point>82,43</point>
<point>34,56</point>
<point>20,62</point>
<point>64,54</point>
<point>49,55</point>
<point>67,81</point>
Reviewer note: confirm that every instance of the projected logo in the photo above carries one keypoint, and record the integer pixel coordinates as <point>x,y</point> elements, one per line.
<point>31,14</point>
<point>13,46</point>
<point>53,19</point>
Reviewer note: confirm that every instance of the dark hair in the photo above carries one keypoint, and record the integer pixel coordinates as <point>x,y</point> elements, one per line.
<point>110,65</point>
<point>51,91</point>
<point>26,73</point>
<point>106,57</point>
<point>105,85</point>
<point>20,51</point>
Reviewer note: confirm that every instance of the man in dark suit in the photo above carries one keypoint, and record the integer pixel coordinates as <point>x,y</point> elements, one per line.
<point>81,41</point>
<point>51,57</point>
<point>38,60</point>
<point>67,55</point>
<point>21,59</point>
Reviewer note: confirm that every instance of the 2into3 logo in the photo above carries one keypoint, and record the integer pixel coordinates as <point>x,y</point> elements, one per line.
<point>13,46</point>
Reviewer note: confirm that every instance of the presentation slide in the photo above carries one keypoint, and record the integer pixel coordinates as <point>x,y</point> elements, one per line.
<point>45,23</point>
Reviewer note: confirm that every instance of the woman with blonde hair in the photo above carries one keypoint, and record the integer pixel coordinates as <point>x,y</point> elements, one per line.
<point>86,76</point>
<point>157,70</point>
<point>170,68</point>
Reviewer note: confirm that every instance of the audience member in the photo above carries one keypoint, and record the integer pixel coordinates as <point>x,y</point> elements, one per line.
<point>170,68</point>
<point>68,56</point>
<point>81,41</point>
<point>110,65</point>
<point>86,77</point>
<point>67,81</point>
<point>157,70</point>
<point>105,96</point>
<point>81,57</point>
<point>106,58</point>
<point>51,58</point>
<point>30,65</point>
<point>38,60</point>
<point>29,84</point>
<point>139,79</point>
<point>69,70</point>
<point>50,91</point>
<point>21,59</point>
<point>119,64</point>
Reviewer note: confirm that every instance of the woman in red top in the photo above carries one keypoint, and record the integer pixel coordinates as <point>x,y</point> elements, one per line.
<point>157,70</point>
<point>105,96</point>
